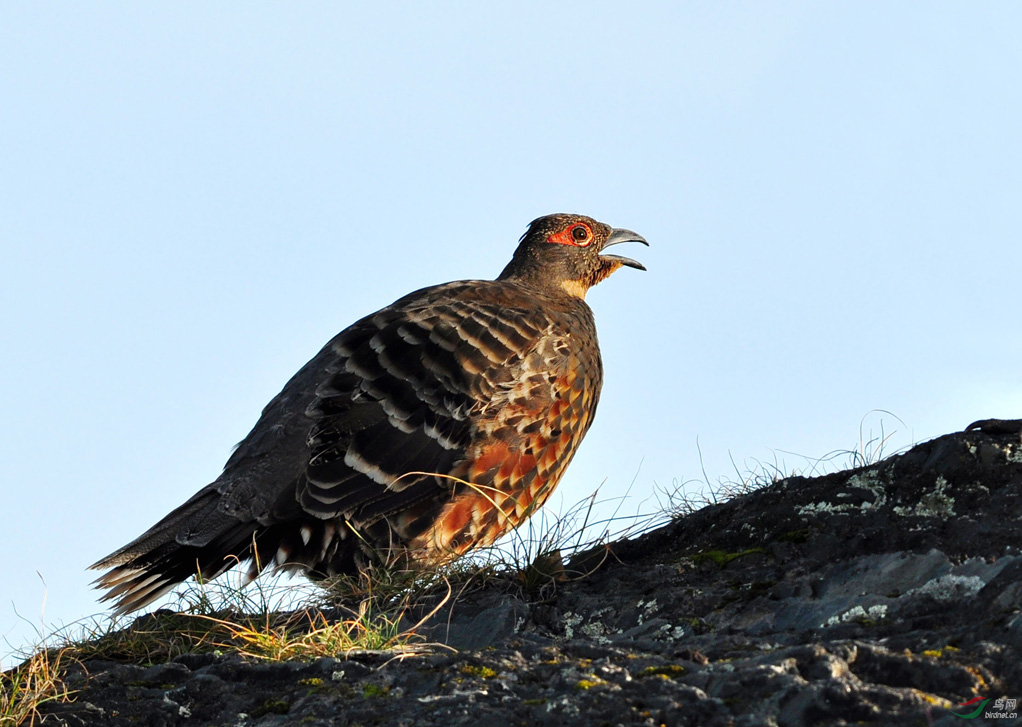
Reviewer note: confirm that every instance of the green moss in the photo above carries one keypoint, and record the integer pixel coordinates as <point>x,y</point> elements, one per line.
<point>311,682</point>
<point>272,706</point>
<point>794,536</point>
<point>699,626</point>
<point>668,671</point>
<point>483,672</point>
<point>722,558</point>
<point>372,691</point>
<point>941,652</point>
<point>584,684</point>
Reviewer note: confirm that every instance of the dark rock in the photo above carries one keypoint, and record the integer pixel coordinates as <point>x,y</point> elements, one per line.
<point>884,595</point>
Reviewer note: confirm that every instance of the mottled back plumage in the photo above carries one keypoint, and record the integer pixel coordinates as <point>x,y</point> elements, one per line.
<point>423,430</point>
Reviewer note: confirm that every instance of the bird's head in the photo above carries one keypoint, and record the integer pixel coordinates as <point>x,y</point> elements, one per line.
<point>566,251</point>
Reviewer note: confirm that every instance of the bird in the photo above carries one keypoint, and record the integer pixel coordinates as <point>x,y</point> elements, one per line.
<point>426,429</point>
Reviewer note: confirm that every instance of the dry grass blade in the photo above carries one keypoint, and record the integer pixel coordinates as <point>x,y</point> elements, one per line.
<point>312,634</point>
<point>529,560</point>
<point>684,498</point>
<point>222,617</point>
<point>32,684</point>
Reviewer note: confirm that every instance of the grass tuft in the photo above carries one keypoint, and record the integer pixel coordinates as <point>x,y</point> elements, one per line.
<point>37,681</point>
<point>683,498</point>
<point>273,620</point>
<point>530,561</point>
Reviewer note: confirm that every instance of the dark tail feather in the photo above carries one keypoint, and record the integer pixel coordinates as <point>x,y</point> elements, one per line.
<point>154,563</point>
<point>198,539</point>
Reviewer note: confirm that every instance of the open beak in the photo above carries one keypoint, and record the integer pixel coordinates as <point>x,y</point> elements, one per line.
<point>617,236</point>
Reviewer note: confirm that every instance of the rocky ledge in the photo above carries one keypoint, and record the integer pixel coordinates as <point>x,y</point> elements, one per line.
<point>888,594</point>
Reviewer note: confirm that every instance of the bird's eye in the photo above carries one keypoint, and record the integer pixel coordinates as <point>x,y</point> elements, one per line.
<point>579,233</point>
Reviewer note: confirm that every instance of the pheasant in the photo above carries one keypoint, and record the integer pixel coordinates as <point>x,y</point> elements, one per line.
<point>426,429</point>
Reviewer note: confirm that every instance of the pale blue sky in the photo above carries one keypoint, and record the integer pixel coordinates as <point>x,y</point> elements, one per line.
<point>194,197</point>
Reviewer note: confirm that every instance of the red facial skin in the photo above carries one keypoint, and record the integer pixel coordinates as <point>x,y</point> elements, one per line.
<point>567,236</point>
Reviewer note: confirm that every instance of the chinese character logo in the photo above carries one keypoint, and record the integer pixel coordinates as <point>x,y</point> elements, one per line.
<point>1002,708</point>
<point>966,705</point>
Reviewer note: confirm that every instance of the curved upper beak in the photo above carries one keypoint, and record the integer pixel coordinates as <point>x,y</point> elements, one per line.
<point>617,236</point>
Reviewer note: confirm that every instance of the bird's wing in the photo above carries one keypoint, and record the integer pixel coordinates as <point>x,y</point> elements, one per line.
<point>407,393</point>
